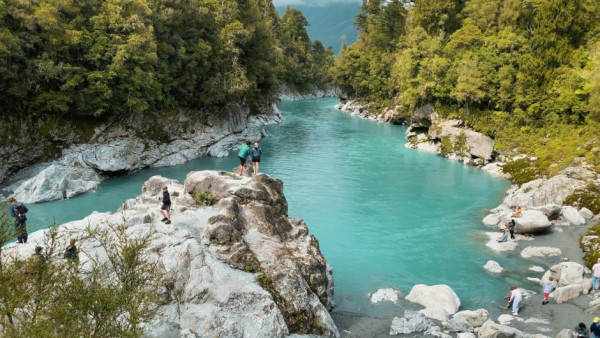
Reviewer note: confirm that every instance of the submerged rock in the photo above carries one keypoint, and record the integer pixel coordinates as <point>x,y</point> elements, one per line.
<point>540,251</point>
<point>440,301</point>
<point>493,267</point>
<point>239,262</point>
<point>385,295</point>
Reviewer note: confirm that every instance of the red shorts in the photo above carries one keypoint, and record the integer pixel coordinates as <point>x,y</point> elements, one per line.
<point>546,295</point>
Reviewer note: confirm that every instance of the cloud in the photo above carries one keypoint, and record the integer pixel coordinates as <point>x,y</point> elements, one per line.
<point>311,3</point>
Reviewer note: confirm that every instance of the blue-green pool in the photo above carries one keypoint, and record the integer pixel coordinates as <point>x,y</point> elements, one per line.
<point>385,216</point>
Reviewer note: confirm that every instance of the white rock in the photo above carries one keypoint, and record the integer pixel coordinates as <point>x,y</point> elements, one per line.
<point>540,251</point>
<point>552,211</point>
<point>465,335</point>
<point>475,318</point>
<point>57,182</point>
<point>412,322</point>
<point>440,301</point>
<point>571,215</point>
<point>499,247</point>
<point>493,220</point>
<point>505,319</point>
<point>387,295</point>
<point>477,144</point>
<point>458,324</point>
<point>536,268</point>
<point>566,273</point>
<point>493,330</point>
<point>534,280</point>
<point>493,267</point>
<point>541,191</point>
<point>566,333</point>
<point>204,256</point>
<point>532,221</point>
<point>586,213</point>
<point>496,169</point>
<point>565,293</point>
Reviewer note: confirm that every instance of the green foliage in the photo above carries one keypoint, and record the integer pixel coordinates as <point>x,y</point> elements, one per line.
<point>522,171</point>
<point>205,197</point>
<point>590,246</point>
<point>447,147</point>
<point>48,296</point>
<point>113,57</point>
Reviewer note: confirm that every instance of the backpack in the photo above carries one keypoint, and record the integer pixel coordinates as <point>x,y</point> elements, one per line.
<point>20,211</point>
<point>70,252</point>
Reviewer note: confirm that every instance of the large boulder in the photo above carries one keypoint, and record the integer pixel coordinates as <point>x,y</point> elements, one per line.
<point>412,322</point>
<point>423,116</point>
<point>440,301</point>
<point>552,211</point>
<point>458,324</point>
<point>566,273</point>
<point>565,293</point>
<point>493,330</point>
<point>532,221</point>
<point>586,213</point>
<point>57,182</point>
<point>475,318</point>
<point>540,192</point>
<point>540,251</point>
<point>566,333</point>
<point>571,215</point>
<point>499,247</point>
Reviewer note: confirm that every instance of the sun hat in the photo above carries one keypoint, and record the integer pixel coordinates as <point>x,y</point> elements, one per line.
<point>597,319</point>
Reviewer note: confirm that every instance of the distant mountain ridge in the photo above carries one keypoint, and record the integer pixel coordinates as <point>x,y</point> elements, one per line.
<point>330,22</point>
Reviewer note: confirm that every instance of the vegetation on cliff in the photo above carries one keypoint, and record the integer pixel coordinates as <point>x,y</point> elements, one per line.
<point>90,58</point>
<point>525,72</point>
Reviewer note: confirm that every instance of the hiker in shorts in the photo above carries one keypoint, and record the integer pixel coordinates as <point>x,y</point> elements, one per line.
<point>18,211</point>
<point>547,288</point>
<point>256,152</point>
<point>244,154</point>
<point>165,209</point>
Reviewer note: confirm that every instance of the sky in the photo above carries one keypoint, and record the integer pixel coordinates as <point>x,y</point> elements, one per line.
<point>315,3</point>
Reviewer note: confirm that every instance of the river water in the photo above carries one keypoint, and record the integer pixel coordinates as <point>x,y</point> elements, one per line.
<point>385,215</point>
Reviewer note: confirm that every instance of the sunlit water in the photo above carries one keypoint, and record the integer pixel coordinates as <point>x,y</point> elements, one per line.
<point>385,215</point>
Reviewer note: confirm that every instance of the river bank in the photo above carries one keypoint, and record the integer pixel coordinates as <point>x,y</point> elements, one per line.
<point>561,227</point>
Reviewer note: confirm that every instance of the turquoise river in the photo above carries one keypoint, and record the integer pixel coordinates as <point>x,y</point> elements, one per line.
<point>385,215</point>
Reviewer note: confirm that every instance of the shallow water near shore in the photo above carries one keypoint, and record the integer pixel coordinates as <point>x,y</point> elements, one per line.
<point>385,215</point>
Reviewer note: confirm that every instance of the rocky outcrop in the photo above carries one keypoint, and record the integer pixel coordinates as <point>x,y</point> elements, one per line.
<point>440,301</point>
<point>476,318</point>
<point>412,322</point>
<point>493,267</point>
<point>287,94</point>
<point>357,109</point>
<point>554,190</point>
<point>530,222</point>
<point>236,264</point>
<point>138,142</point>
<point>449,138</point>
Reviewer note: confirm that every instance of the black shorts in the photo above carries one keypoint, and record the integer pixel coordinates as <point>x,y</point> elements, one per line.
<point>166,207</point>
<point>242,161</point>
<point>256,159</point>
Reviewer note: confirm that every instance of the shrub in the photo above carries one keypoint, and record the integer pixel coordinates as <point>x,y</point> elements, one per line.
<point>522,171</point>
<point>205,197</point>
<point>590,246</point>
<point>587,199</point>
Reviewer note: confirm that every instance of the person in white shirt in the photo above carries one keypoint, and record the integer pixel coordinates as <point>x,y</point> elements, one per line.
<point>515,298</point>
<point>595,275</point>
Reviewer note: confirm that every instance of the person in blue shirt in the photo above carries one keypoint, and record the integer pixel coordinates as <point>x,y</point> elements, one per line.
<point>18,211</point>
<point>243,155</point>
<point>256,152</point>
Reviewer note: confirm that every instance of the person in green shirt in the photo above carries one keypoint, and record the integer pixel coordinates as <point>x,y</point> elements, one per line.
<point>244,154</point>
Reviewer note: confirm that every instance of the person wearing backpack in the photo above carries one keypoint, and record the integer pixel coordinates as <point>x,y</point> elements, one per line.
<point>71,253</point>
<point>256,152</point>
<point>18,211</point>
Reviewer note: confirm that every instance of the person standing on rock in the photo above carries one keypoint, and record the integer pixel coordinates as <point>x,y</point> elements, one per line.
<point>18,211</point>
<point>547,288</point>
<point>256,152</point>
<point>165,209</point>
<point>243,155</point>
<point>515,298</point>
<point>511,228</point>
<point>595,275</point>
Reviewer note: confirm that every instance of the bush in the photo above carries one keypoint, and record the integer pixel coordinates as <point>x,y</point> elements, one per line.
<point>590,200</point>
<point>590,246</point>
<point>522,171</point>
<point>205,197</point>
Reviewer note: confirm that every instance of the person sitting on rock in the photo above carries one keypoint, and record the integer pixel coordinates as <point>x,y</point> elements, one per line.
<point>515,298</point>
<point>243,155</point>
<point>18,211</point>
<point>511,228</point>
<point>518,212</point>
<point>581,331</point>
<point>547,288</point>
<point>503,236</point>
<point>165,209</point>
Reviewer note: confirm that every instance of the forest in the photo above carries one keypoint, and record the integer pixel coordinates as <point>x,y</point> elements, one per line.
<point>526,72</point>
<point>97,59</point>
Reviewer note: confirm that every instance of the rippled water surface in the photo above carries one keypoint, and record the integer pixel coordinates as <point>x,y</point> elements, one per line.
<point>385,215</point>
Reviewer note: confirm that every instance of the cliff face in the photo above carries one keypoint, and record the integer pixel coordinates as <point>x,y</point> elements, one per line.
<point>238,267</point>
<point>54,159</point>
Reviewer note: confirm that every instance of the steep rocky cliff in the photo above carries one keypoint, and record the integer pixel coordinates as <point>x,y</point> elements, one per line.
<point>235,263</point>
